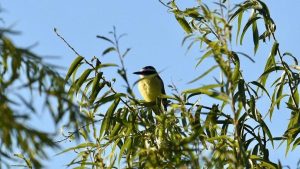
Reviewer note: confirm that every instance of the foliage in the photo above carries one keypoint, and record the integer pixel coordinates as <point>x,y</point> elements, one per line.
<point>231,132</point>
<point>123,131</point>
<point>24,76</point>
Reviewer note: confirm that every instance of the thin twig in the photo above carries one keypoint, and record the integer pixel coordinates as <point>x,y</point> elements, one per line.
<point>164,4</point>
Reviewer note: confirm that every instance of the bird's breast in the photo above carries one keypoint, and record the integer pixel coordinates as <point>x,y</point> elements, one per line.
<point>150,88</point>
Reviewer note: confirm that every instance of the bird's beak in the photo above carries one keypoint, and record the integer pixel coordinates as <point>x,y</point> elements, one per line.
<point>137,73</point>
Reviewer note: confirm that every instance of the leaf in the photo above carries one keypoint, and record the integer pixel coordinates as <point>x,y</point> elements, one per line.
<point>296,143</point>
<point>241,9</point>
<point>207,54</point>
<point>106,65</point>
<point>261,86</point>
<point>27,161</point>
<point>205,90</point>
<point>73,66</point>
<point>126,52</point>
<point>239,25</point>
<point>248,24</point>
<point>272,69</point>
<point>204,74</point>
<point>105,38</point>
<point>108,50</point>
<point>184,24</point>
<point>255,36</point>
<point>108,115</point>
<point>270,62</point>
<point>125,146</point>
<point>291,55</point>
<point>96,87</point>
<point>80,146</point>
<point>241,92</point>
<point>81,79</point>
<point>267,131</point>
<point>110,98</point>
<point>276,102</point>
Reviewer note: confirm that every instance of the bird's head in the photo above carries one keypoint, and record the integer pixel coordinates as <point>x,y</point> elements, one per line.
<point>146,71</point>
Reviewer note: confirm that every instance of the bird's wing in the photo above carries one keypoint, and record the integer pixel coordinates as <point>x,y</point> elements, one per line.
<point>164,100</point>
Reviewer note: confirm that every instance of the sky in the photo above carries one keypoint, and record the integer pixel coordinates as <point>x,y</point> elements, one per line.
<point>153,35</point>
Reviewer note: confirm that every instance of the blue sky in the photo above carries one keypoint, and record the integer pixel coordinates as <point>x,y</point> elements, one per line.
<point>153,34</point>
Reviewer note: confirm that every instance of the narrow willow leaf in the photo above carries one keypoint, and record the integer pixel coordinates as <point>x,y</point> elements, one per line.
<point>255,36</point>
<point>184,24</point>
<point>274,49</point>
<point>82,79</point>
<point>125,146</point>
<point>239,25</point>
<point>96,87</point>
<point>267,131</point>
<point>105,38</point>
<point>261,87</point>
<point>27,161</point>
<point>296,96</point>
<point>263,163</point>
<point>241,9</point>
<point>107,117</point>
<point>296,143</point>
<point>236,72</point>
<point>279,93</point>
<point>80,146</point>
<point>112,97</point>
<point>291,55</point>
<point>204,74</point>
<point>248,24</point>
<point>73,66</point>
<point>241,91</point>
<point>270,62</point>
<point>207,54</point>
<point>271,69</point>
<point>108,50</point>
<point>106,65</point>
<point>196,90</point>
<point>213,94</point>
<point>276,102</point>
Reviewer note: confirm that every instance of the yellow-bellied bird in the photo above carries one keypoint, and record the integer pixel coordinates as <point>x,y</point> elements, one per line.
<point>151,85</point>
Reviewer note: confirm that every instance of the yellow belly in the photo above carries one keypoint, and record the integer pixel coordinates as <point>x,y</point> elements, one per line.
<point>150,88</point>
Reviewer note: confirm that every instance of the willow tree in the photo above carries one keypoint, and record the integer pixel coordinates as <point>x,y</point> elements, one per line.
<point>27,80</point>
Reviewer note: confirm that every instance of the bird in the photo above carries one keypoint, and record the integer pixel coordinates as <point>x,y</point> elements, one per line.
<point>151,86</point>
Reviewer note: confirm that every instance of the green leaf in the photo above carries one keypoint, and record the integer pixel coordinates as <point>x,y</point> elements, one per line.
<point>96,87</point>
<point>108,115</point>
<point>184,24</point>
<point>105,38</point>
<point>241,9</point>
<point>267,131</point>
<point>112,97</point>
<point>271,69</point>
<point>80,146</point>
<point>255,36</point>
<point>296,143</point>
<point>73,66</point>
<point>241,91</point>
<point>205,90</point>
<point>239,25</point>
<point>276,102</point>
<point>81,79</point>
<point>261,86</point>
<point>248,24</point>
<point>204,74</point>
<point>125,146</point>
<point>207,54</point>
<point>108,50</point>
